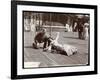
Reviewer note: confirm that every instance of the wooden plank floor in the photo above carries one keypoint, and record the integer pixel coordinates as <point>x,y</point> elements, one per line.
<point>48,59</point>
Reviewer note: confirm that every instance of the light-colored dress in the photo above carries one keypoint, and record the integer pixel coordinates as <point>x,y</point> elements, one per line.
<point>67,27</point>
<point>69,49</point>
<point>26,25</point>
<point>85,31</point>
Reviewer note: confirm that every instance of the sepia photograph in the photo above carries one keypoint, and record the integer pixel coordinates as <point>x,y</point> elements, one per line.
<point>52,39</point>
<point>55,39</point>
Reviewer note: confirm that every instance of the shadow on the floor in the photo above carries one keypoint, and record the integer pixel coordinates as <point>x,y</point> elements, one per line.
<point>33,47</point>
<point>72,37</point>
<point>63,53</point>
<point>28,46</point>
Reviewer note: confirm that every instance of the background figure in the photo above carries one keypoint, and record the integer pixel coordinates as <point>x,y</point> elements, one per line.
<point>33,28</point>
<point>75,26</point>
<point>85,31</point>
<point>80,30</point>
<point>26,25</point>
<point>66,28</point>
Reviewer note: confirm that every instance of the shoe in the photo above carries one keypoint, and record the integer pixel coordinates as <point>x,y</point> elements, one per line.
<point>45,49</point>
<point>34,46</point>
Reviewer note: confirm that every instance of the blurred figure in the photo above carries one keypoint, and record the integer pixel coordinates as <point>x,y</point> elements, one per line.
<point>85,31</point>
<point>80,29</point>
<point>27,25</point>
<point>66,28</point>
<point>75,26</point>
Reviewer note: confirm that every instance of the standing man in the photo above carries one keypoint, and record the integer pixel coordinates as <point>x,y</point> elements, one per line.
<point>80,29</point>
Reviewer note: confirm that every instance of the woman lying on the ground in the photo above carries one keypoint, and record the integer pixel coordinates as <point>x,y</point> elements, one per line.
<point>61,48</point>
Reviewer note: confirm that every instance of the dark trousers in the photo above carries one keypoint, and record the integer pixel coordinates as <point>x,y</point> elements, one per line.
<point>46,42</point>
<point>80,34</point>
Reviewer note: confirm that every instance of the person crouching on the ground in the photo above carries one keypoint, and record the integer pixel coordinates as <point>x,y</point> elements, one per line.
<point>41,37</point>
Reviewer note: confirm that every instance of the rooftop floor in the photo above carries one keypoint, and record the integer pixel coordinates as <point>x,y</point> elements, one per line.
<point>47,59</point>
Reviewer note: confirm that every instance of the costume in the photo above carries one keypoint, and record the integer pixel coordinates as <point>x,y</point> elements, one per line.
<point>62,48</point>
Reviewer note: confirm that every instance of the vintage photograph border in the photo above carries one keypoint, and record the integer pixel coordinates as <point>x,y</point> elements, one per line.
<point>14,56</point>
<point>51,66</point>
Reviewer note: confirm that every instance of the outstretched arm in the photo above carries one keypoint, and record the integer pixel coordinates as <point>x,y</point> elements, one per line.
<point>57,36</point>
